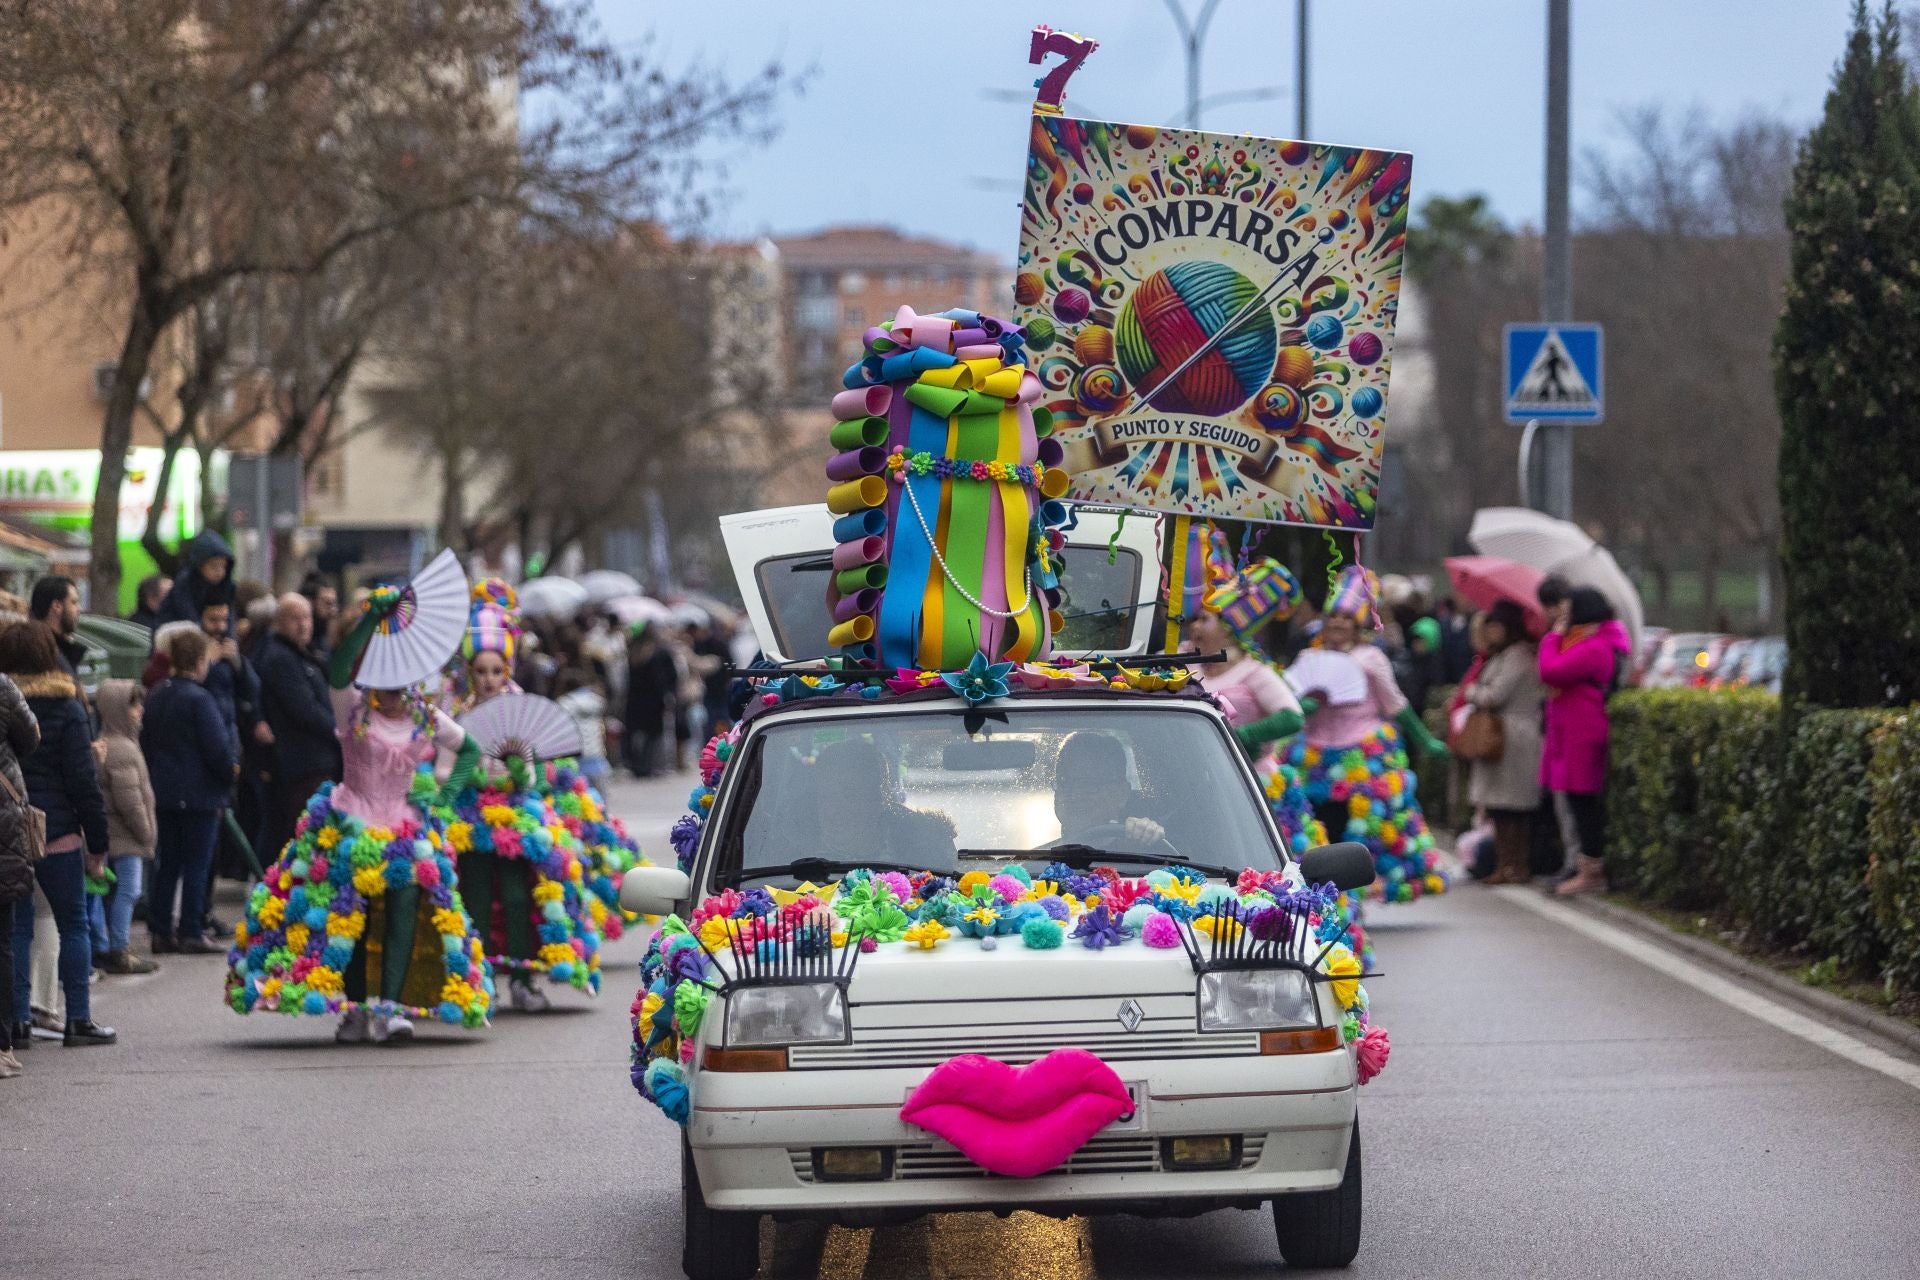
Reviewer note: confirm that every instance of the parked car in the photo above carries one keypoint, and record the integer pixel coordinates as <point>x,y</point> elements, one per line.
<point>1685,658</point>
<point>1753,664</point>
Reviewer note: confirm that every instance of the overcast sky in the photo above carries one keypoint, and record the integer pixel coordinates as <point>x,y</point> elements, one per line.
<point>899,123</point>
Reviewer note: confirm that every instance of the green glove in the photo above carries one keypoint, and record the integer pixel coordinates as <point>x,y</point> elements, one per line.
<point>1257,733</point>
<point>346,658</point>
<point>466,763</point>
<point>1415,731</point>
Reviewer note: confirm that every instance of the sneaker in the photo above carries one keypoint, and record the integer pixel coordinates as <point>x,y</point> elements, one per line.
<point>399,1028</point>
<point>46,1026</point>
<point>161,944</point>
<point>201,946</point>
<point>353,1027</point>
<point>9,1065</point>
<point>83,1031</point>
<point>125,962</point>
<point>214,927</point>
<point>528,998</point>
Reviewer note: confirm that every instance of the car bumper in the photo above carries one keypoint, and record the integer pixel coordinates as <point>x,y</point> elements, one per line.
<point>753,1139</point>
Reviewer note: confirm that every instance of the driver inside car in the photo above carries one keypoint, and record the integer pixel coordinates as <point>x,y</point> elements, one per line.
<point>1091,797</point>
<point>860,815</point>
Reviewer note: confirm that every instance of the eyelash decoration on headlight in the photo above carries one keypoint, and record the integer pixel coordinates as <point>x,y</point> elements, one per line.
<point>803,954</point>
<point>1233,937</point>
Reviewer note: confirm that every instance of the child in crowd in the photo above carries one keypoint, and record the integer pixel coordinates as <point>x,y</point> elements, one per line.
<point>130,826</point>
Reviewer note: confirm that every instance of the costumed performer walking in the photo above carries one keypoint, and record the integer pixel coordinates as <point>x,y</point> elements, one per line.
<point>522,871</point>
<point>1263,710</point>
<point>1353,760</point>
<point>361,915</point>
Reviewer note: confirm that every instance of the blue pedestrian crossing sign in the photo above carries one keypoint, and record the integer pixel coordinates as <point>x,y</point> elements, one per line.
<point>1555,372</point>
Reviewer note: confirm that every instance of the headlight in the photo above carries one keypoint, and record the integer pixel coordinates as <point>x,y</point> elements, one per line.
<point>1256,1000</point>
<point>786,1013</point>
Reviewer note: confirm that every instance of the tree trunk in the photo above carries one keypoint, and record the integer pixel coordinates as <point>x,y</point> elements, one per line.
<point>453,519</point>
<point>116,434</point>
<point>167,559</point>
<point>1710,589</point>
<point>1662,589</point>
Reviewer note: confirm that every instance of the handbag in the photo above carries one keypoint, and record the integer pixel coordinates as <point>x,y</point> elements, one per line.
<point>1483,737</point>
<point>33,830</point>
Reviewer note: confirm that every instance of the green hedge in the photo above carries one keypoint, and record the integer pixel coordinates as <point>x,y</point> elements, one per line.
<point>1809,836</point>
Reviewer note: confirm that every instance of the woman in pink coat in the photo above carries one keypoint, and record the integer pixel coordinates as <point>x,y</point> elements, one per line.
<point>1579,665</point>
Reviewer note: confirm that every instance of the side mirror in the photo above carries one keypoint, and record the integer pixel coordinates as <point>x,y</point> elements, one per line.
<point>653,891</point>
<point>1348,866</point>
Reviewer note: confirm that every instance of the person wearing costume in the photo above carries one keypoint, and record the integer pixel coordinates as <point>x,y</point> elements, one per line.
<point>1263,711</point>
<point>609,851</point>
<point>512,848</point>
<point>1352,759</point>
<point>362,915</point>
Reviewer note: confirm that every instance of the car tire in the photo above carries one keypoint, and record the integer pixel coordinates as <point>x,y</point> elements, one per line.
<point>1322,1228</point>
<point>718,1245</point>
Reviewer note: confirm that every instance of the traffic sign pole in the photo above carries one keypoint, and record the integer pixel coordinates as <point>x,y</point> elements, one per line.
<point>1556,286</point>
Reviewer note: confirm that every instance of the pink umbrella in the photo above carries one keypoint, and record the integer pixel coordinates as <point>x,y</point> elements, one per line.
<point>1483,580</point>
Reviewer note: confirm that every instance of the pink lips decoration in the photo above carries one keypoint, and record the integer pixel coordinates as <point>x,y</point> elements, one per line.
<point>1019,1121</point>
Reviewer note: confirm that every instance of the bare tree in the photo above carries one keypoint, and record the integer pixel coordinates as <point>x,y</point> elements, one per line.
<point>173,147</point>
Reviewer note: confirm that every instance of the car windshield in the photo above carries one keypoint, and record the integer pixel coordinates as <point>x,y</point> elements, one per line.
<point>1128,786</point>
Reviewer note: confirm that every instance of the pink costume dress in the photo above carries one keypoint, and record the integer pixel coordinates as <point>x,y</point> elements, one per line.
<point>1352,757</point>
<point>1251,690</point>
<point>304,946</point>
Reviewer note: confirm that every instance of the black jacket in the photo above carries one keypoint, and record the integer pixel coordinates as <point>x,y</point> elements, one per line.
<point>236,688</point>
<point>192,593</point>
<point>190,750</point>
<point>61,777</point>
<point>21,735</point>
<point>299,709</point>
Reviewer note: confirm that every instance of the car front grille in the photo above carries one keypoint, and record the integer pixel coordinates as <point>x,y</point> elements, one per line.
<point>1132,1153</point>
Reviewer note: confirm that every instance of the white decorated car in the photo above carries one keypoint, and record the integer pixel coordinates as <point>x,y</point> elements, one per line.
<point>1032,945</point>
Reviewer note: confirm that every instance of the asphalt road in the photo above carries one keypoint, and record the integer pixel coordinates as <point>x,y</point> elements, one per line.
<point>1553,1108</point>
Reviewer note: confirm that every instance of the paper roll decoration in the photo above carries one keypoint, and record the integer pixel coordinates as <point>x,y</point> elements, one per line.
<point>946,488</point>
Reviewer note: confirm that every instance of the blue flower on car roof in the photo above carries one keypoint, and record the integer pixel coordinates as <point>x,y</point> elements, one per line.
<point>980,681</point>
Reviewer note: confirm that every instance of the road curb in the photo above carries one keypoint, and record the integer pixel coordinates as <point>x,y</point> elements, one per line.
<point>1811,999</point>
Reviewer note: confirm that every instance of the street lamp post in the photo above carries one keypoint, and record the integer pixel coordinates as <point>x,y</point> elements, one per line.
<point>1556,283</point>
<point>1193,34</point>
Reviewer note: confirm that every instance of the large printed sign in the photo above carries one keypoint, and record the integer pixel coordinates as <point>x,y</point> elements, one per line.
<point>1212,316</point>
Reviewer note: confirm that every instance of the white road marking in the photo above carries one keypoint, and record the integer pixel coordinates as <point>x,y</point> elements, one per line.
<point>1682,969</point>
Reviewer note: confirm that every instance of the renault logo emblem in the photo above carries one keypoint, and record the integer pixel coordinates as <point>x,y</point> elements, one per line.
<point>1131,1015</point>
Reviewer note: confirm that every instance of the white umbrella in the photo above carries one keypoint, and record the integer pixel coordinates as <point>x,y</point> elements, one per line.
<point>551,597</point>
<point>603,585</point>
<point>1558,547</point>
<point>689,614</point>
<point>638,608</point>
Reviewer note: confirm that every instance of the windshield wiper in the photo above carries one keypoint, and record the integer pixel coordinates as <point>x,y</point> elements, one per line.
<point>813,868</point>
<point>1085,855</point>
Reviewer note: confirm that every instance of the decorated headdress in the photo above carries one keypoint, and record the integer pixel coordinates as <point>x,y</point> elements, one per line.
<point>1354,595</point>
<point>493,624</point>
<point>1266,592</point>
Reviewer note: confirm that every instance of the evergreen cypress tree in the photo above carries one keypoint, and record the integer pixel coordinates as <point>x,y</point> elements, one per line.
<point>1847,375</point>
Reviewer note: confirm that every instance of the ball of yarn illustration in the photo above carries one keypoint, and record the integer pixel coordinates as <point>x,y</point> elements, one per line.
<point>1325,331</point>
<point>1071,306</point>
<point>1293,366</point>
<point>1367,402</point>
<point>1039,331</point>
<point>1278,408</point>
<point>1028,288</point>
<point>1098,389</point>
<point>1094,345</point>
<point>1173,314</point>
<point>1365,348</point>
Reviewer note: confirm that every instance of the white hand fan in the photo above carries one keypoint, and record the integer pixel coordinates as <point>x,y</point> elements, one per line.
<point>416,639</point>
<point>525,725</point>
<point>1335,675</point>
